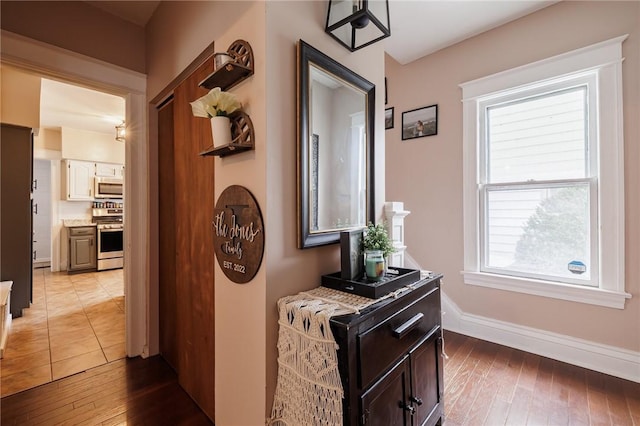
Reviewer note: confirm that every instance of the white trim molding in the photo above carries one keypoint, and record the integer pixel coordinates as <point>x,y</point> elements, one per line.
<point>603,60</point>
<point>395,213</point>
<point>606,359</point>
<point>573,293</point>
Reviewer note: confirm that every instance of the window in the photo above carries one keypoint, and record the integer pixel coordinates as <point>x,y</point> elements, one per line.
<point>543,178</point>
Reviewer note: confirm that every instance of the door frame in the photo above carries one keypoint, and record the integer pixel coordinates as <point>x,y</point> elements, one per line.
<point>53,62</point>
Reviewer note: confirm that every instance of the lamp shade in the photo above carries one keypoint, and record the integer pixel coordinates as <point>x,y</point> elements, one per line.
<point>358,23</point>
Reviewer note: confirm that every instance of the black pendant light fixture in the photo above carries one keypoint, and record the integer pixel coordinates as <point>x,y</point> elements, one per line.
<point>358,23</point>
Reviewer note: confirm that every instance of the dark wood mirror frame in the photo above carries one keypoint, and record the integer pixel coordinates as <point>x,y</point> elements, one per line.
<point>309,55</point>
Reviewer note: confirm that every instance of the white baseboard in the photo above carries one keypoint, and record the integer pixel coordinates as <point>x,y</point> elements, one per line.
<point>606,359</point>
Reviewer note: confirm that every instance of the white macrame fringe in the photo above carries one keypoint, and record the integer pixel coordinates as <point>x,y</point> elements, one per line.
<point>309,390</point>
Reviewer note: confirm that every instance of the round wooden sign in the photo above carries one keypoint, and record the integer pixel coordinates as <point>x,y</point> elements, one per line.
<point>238,235</point>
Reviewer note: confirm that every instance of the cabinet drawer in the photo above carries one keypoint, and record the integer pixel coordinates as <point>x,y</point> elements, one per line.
<point>382,345</point>
<point>85,230</point>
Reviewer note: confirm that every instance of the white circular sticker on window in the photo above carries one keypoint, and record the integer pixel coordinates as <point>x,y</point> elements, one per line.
<point>577,267</point>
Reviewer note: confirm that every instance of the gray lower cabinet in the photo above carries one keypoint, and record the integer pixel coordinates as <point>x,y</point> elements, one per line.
<point>82,248</point>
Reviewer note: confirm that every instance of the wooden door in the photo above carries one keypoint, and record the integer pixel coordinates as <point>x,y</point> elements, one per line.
<point>186,211</point>
<point>167,237</point>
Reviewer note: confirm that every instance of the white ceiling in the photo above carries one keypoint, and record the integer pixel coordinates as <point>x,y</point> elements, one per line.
<point>65,105</point>
<point>418,28</point>
<point>421,27</point>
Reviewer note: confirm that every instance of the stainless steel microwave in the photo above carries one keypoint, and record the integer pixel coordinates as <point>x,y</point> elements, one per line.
<point>108,187</point>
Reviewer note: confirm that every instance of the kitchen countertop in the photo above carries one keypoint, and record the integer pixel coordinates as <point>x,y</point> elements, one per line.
<point>74,223</point>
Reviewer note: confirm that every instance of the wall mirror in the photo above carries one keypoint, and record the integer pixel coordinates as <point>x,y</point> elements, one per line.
<point>335,148</point>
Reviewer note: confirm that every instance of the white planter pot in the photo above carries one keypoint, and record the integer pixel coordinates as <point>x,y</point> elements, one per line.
<point>221,131</point>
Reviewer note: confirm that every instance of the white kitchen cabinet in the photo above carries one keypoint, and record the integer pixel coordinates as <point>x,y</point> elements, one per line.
<point>77,180</point>
<point>109,170</point>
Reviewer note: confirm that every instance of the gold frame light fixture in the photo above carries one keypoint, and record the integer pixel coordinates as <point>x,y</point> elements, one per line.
<point>120,132</point>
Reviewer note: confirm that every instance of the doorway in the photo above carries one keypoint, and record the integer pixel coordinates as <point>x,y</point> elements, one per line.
<point>75,321</point>
<point>48,61</point>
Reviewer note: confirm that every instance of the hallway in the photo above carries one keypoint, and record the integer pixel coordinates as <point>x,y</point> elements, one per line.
<point>75,322</point>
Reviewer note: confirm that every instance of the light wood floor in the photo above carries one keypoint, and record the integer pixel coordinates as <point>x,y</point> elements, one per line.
<point>75,322</point>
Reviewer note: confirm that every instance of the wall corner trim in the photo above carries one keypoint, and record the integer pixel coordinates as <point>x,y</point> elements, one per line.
<point>606,359</point>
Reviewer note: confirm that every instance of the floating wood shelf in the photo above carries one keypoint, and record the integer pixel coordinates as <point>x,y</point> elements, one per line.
<point>242,135</point>
<point>233,72</point>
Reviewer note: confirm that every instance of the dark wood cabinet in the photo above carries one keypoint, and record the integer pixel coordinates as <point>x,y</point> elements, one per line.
<point>16,206</point>
<point>390,359</point>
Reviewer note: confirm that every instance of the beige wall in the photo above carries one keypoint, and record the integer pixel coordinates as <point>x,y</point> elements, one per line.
<point>77,26</point>
<point>289,269</point>
<point>48,139</point>
<point>20,100</point>
<point>85,145</point>
<point>246,320</point>
<point>426,173</point>
<point>239,309</point>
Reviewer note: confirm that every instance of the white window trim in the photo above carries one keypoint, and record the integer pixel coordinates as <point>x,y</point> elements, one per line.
<point>607,58</point>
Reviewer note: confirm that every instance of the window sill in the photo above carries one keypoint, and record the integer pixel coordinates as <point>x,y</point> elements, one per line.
<point>573,293</point>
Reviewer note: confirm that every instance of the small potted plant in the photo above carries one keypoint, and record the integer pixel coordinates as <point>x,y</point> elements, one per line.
<point>377,247</point>
<point>217,106</point>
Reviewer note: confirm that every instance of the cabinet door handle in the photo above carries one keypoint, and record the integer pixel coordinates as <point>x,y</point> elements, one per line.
<point>410,408</point>
<point>416,400</point>
<point>405,328</point>
<point>35,208</point>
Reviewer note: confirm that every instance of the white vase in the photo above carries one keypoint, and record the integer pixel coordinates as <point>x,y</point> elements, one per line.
<point>221,130</point>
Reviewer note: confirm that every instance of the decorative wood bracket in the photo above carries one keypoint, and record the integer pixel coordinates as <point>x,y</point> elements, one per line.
<point>242,135</point>
<point>233,72</point>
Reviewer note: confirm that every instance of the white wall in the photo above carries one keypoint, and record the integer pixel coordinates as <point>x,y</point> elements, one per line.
<point>426,173</point>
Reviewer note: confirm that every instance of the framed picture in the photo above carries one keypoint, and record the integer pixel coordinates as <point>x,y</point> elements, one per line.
<point>388,118</point>
<point>385,90</point>
<point>420,122</point>
<point>351,254</point>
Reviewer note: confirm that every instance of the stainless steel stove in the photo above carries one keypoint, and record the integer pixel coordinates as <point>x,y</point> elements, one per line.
<point>110,227</point>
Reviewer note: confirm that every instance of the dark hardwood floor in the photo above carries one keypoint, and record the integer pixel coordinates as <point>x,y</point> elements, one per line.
<point>489,384</point>
<point>132,391</point>
<point>485,384</point>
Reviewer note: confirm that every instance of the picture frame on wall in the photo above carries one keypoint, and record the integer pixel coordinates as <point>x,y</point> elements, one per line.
<point>385,91</point>
<point>388,118</point>
<point>420,122</point>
